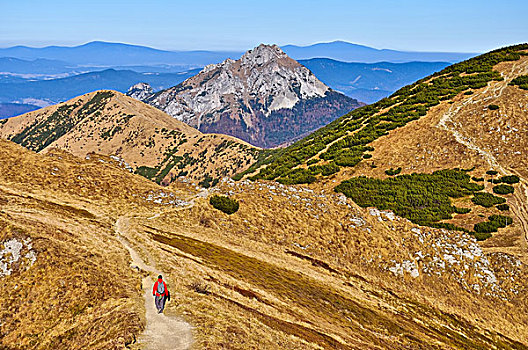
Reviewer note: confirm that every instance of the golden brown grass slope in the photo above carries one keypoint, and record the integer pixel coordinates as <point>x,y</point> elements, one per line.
<point>295,267</point>
<point>71,287</point>
<point>108,122</point>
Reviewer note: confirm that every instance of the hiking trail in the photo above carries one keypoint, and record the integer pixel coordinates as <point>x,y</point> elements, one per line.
<point>521,195</point>
<point>161,332</point>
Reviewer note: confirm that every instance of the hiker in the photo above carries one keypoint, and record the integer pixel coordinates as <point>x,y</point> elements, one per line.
<point>161,294</point>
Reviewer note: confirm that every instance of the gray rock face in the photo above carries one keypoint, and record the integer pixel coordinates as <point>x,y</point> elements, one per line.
<point>264,98</point>
<point>140,91</point>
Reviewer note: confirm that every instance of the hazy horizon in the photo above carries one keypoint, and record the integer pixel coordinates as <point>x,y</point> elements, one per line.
<point>233,25</point>
<point>226,50</point>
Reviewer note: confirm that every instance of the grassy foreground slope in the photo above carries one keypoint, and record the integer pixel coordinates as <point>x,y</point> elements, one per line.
<point>65,274</point>
<point>312,264</point>
<point>293,268</point>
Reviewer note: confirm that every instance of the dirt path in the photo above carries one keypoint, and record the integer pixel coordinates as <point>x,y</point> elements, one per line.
<point>520,210</point>
<point>521,195</point>
<point>161,332</point>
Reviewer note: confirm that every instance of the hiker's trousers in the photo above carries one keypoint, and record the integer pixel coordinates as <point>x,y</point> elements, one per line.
<point>160,303</point>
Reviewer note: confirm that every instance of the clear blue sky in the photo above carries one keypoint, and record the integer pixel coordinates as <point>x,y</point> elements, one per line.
<point>422,25</point>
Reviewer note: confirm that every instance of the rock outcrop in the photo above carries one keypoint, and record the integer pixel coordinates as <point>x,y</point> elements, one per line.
<point>140,91</point>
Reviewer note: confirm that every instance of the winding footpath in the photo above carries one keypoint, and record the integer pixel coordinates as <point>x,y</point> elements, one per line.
<point>161,332</point>
<point>521,195</point>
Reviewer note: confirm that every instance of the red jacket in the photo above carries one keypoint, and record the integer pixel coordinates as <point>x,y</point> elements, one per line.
<point>154,290</point>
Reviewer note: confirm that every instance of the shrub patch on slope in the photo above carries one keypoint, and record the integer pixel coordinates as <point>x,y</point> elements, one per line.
<point>225,204</point>
<point>503,189</point>
<point>484,229</point>
<point>487,200</point>
<point>521,82</point>
<point>425,199</point>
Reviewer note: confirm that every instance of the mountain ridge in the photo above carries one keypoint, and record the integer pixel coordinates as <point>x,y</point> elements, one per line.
<point>342,49</point>
<point>350,52</point>
<point>151,142</point>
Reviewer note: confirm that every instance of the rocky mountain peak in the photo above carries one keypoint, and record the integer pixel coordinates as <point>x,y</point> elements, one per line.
<point>139,91</point>
<point>210,67</point>
<point>265,98</point>
<point>262,54</point>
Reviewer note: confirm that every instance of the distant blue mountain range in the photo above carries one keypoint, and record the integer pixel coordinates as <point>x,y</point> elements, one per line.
<point>8,110</point>
<point>34,66</point>
<point>57,90</point>
<point>366,82</point>
<point>116,54</point>
<point>369,82</point>
<point>348,52</point>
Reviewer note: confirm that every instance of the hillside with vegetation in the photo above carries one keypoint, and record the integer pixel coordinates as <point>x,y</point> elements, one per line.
<point>408,133</point>
<point>152,143</point>
<point>345,141</point>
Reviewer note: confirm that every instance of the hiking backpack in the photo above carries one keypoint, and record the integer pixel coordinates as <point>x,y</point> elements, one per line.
<point>161,288</point>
